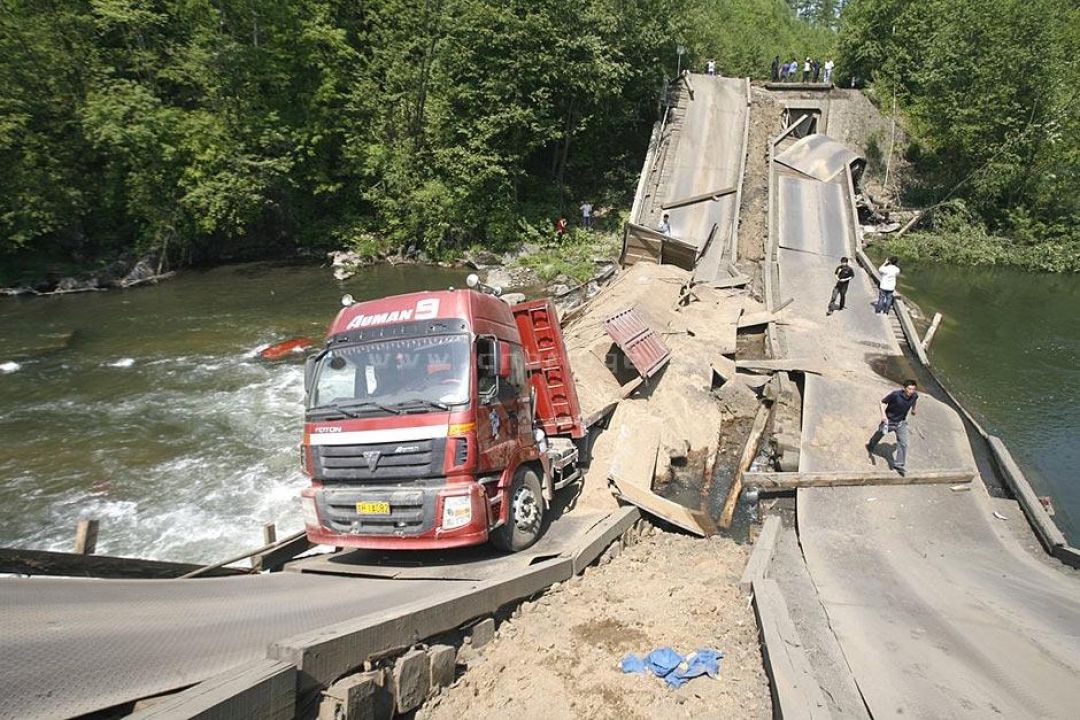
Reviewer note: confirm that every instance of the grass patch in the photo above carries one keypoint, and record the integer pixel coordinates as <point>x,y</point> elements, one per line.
<point>573,257</point>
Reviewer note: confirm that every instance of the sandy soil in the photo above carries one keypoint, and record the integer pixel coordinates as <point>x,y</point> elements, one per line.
<point>559,657</point>
<point>765,121</point>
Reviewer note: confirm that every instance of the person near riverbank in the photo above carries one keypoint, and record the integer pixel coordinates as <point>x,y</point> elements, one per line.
<point>560,227</point>
<point>843,273</point>
<point>774,69</point>
<point>887,287</point>
<point>793,69</point>
<point>665,225</point>
<point>895,408</point>
<point>586,215</point>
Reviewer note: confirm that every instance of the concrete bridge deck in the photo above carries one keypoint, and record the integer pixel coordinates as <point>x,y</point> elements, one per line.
<point>938,610</point>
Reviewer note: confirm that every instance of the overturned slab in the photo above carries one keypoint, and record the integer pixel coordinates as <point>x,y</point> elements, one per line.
<point>818,156</point>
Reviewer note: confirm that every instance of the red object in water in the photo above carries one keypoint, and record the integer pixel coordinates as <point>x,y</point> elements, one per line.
<point>286,348</point>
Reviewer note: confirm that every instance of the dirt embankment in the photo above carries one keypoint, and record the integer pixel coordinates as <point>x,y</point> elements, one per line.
<point>559,657</point>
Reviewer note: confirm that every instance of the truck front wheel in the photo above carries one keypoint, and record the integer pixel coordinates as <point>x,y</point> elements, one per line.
<point>526,517</point>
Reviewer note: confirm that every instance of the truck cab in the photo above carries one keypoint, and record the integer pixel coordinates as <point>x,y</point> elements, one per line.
<point>422,428</point>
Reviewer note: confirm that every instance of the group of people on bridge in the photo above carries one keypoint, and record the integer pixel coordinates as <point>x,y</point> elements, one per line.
<point>813,70</point>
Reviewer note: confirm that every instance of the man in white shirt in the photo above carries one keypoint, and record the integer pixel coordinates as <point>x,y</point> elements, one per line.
<point>889,272</point>
<point>710,67</point>
<point>806,71</point>
<point>829,65</point>
<point>665,225</point>
<point>586,215</point>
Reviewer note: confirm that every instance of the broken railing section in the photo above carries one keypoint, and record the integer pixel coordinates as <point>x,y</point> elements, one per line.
<point>642,346</point>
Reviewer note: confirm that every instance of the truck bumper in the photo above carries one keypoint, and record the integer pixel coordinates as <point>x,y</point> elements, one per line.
<point>419,518</point>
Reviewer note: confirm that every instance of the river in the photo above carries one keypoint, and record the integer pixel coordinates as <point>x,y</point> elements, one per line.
<point>150,410</point>
<point>1009,348</point>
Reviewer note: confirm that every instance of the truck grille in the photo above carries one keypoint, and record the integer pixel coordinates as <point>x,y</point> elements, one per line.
<point>412,460</point>
<point>411,511</point>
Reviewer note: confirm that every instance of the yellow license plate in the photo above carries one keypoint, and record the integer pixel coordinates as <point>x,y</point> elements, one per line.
<point>373,508</point>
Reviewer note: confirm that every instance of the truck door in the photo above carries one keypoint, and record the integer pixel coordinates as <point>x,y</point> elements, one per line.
<point>496,439</point>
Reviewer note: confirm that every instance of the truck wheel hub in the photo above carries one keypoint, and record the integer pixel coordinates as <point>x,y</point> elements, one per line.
<point>526,509</point>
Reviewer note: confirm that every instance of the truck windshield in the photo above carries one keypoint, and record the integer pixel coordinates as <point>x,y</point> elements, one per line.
<point>406,375</point>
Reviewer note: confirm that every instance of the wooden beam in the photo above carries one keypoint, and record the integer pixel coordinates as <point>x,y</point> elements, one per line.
<point>269,533</point>
<point>275,558</point>
<point>795,480</point>
<point>761,555</point>
<point>782,364</point>
<point>45,562</point>
<point>757,318</point>
<point>747,457</point>
<point>702,197</point>
<point>930,333</point>
<point>244,556</point>
<point>86,535</point>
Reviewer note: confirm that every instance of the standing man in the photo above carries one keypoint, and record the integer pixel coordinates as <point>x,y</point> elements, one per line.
<point>816,67</point>
<point>586,215</point>
<point>665,225</point>
<point>774,69</point>
<point>889,272</point>
<point>710,67</point>
<point>843,273</point>
<point>829,65</point>
<point>806,70</point>
<point>894,411</point>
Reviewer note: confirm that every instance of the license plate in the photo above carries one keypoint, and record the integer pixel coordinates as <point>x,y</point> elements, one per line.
<point>373,508</point>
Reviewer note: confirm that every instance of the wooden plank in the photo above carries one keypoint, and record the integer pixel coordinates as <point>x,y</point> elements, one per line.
<point>796,694</point>
<point>250,553</point>
<point>633,470</point>
<point>1049,534</point>
<point>757,318</point>
<point>45,562</point>
<point>323,655</point>
<point>730,282</point>
<point>275,558</point>
<point>701,197</point>
<point>795,480</point>
<point>601,535</point>
<point>782,364</point>
<point>761,555</point>
<point>747,457</point>
<point>931,331</point>
<point>86,535</point>
<point>259,689</point>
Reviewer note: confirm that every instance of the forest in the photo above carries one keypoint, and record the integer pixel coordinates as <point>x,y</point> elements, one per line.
<point>209,130</point>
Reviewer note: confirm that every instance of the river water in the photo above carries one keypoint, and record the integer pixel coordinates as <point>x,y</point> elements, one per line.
<point>1009,348</point>
<point>150,410</point>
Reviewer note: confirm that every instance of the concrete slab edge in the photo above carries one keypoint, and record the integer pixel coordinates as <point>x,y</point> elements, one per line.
<point>796,694</point>
<point>639,195</point>
<point>259,689</point>
<point>601,535</point>
<point>1049,534</point>
<point>733,253</point>
<point>762,554</point>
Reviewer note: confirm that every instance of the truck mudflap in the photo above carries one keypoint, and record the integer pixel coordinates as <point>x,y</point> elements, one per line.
<point>395,517</point>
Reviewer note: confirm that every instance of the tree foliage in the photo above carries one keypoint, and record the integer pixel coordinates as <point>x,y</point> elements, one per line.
<point>215,128</point>
<point>991,92</point>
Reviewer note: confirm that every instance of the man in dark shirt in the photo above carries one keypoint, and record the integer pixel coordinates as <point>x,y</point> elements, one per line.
<point>894,411</point>
<point>843,273</point>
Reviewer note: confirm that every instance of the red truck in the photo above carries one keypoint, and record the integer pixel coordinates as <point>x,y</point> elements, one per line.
<point>438,420</point>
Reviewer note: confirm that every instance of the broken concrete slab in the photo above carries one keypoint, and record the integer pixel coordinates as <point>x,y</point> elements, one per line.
<point>411,680</point>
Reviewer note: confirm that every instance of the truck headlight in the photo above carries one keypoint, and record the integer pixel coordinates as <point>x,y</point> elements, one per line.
<point>310,512</point>
<point>456,512</point>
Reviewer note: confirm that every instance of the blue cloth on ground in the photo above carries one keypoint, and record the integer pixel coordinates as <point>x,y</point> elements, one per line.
<point>675,669</point>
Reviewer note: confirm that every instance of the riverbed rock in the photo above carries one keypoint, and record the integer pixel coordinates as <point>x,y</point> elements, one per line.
<point>498,277</point>
<point>141,271</point>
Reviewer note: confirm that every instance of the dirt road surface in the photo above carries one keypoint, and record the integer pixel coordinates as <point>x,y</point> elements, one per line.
<point>559,658</point>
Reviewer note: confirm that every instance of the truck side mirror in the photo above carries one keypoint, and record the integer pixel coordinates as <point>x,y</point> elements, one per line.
<point>504,360</point>
<point>309,372</point>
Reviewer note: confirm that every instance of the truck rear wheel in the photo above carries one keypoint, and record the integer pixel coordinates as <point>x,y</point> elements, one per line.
<point>526,517</point>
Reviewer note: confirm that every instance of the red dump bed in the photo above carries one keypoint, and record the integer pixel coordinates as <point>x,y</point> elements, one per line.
<point>557,409</point>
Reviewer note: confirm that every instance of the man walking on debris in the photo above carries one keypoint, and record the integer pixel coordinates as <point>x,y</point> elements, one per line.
<point>843,273</point>
<point>894,411</point>
<point>889,272</point>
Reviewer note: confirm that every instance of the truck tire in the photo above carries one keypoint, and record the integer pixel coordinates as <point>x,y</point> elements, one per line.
<point>526,518</point>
